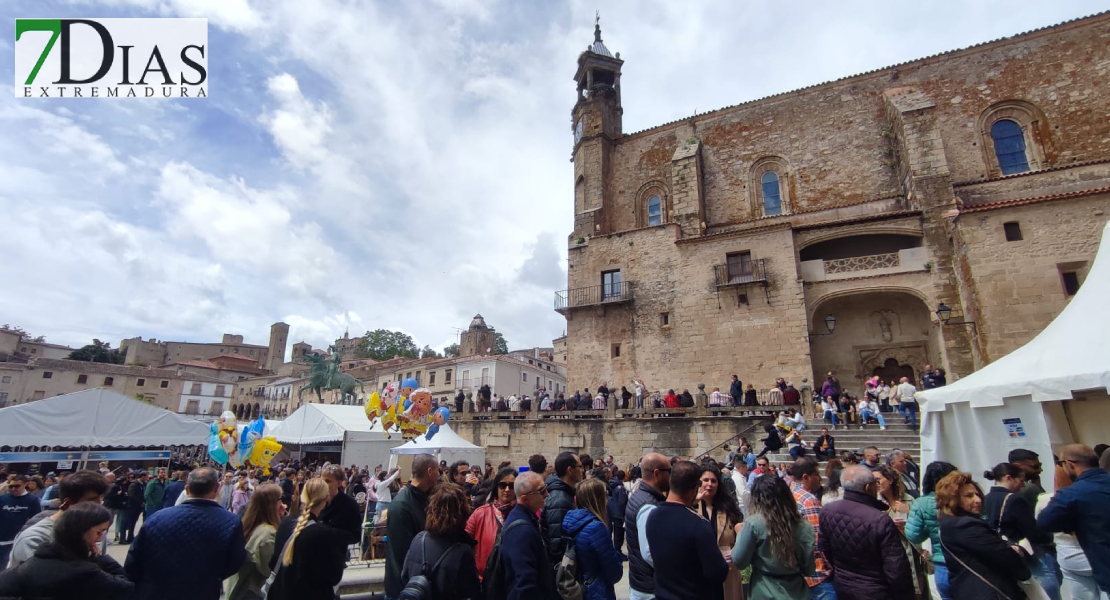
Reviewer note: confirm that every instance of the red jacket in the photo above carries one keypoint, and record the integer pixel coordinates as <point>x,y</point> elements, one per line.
<point>483,527</point>
<point>671,401</point>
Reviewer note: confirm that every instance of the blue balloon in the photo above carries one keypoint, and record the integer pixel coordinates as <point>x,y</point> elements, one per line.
<point>215,451</point>
<point>410,383</point>
<point>433,429</point>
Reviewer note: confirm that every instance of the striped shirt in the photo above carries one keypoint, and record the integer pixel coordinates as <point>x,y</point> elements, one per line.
<point>599,402</point>
<point>810,508</point>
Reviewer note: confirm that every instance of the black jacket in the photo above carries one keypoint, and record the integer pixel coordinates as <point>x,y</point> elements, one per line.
<point>1018,522</point>
<point>641,577</point>
<point>864,550</point>
<point>585,403</point>
<point>287,487</point>
<point>343,514</point>
<point>736,391</point>
<point>135,495</point>
<point>685,400</point>
<point>407,513</point>
<point>618,501</point>
<point>116,498</point>
<point>456,578</point>
<point>560,500</point>
<point>51,575</point>
<point>319,557</point>
<point>970,541</point>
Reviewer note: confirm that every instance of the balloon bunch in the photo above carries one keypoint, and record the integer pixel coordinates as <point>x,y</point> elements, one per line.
<point>223,440</point>
<point>407,408</point>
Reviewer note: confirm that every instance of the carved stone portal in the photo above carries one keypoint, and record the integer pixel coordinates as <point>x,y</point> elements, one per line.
<point>911,356</point>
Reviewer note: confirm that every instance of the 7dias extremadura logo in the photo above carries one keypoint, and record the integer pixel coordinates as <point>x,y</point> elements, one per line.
<point>111,58</point>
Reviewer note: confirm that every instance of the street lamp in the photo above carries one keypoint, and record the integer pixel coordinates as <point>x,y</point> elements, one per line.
<point>944,313</point>
<point>830,324</point>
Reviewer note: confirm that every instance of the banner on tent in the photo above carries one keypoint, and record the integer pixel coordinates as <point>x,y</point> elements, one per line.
<point>33,457</point>
<point>131,455</point>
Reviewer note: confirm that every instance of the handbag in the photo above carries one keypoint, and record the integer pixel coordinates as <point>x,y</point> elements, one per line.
<point>1032,589</point>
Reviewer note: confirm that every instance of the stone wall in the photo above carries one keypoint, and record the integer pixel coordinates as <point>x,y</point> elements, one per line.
<point>709,334</point>
<point>626,439</point>
<point>1018,284</point>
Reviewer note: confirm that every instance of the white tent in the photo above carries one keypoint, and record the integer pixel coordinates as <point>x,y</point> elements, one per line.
<point>1050,392</point>
<point>97,418</point>
<point>446,445</point>
<point>331,427</point>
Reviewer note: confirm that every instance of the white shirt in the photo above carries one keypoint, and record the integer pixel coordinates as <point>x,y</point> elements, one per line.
<point>641,532</point>
<point>382,488</point>
<point>828,406</point>
<point>906,392</point>
<point>865,405</point>
<point>798,419</point>
<point>743,494</point>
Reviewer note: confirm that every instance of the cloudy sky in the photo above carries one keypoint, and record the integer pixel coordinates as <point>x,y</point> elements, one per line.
<point>381,164</point>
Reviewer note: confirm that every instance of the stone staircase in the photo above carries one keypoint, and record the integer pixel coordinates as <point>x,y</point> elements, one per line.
<point>896,435</point>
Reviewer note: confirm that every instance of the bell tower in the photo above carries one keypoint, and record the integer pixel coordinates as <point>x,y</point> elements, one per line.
<point>595,124</point>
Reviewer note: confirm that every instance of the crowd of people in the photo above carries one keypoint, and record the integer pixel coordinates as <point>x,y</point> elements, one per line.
<point>565,529</point>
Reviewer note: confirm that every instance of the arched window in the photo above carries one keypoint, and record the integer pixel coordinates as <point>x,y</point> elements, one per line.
<point>1016,138</point>
<point>1009,147</point>
<point>654,210</point>
<point>651,204</point>
<point>772,194</point>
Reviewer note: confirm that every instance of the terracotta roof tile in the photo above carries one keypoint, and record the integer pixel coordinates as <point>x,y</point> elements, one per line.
<point>1033,200</point>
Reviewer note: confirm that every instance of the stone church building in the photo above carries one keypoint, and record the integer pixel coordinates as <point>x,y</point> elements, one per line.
<point>823,228</point>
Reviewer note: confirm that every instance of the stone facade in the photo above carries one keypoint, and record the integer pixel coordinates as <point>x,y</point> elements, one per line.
<point>626,439</point>
<point>154,352</point>
<point>46,378</point>
<point>721,243</point>
<point>479,338</point>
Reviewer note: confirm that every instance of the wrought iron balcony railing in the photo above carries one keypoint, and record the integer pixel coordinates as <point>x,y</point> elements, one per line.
<point>740,274</point>
<point>613,293</point>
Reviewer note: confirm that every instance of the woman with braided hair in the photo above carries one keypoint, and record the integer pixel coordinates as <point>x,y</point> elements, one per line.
<point>311,562</point>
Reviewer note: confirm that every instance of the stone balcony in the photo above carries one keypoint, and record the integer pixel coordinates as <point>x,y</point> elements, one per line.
<point>902,261</point>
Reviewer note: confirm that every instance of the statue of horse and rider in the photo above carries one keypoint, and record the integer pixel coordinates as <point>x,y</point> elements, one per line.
<point>326,376</point>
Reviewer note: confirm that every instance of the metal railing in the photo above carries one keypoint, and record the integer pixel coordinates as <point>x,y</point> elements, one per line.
<point>612,293</point>
<point>863,263</point>
<point>739,274</point>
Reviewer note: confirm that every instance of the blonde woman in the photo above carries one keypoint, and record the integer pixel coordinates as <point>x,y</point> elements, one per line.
<point>260,523</point>
<point>598,560</point>
<point>311,562</point>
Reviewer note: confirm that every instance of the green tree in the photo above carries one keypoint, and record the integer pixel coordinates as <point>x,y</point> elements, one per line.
<point>382,344</point>
<point>23,332</point>
<point>452,350</point>
<point>500,346</point>
<point>428,352</point>
<point>99,352</point>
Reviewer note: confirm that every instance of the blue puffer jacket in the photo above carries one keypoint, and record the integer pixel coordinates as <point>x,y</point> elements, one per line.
<point>598,561</point>
<point>922,524</point>
<point>185,552</point>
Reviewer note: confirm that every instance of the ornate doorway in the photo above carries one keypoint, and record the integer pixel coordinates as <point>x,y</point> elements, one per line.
<point>892,371</point>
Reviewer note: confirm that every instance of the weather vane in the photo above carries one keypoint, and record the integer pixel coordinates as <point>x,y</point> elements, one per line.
<point>597,18</point>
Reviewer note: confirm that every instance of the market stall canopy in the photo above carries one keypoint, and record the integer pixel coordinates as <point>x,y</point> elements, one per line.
<point>1070,355</point>
<point>97,418</point>
<point>445,445</point>
<point>319,423</point>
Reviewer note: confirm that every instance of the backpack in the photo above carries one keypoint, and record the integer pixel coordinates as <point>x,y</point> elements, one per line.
<point>494,586</point>
<point>566,574</point>
<point>418,586</point>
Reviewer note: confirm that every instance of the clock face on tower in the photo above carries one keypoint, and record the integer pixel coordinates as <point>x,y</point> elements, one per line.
<point>578,131</point>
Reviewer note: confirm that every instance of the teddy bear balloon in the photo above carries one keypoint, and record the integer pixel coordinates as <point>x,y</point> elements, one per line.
<point>416,417</point>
